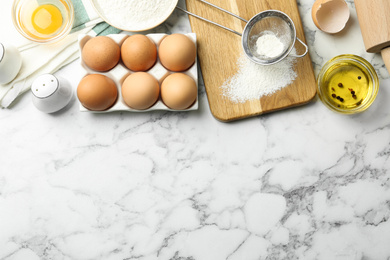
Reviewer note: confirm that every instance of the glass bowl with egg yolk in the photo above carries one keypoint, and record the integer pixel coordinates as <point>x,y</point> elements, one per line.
<point>43,21</point>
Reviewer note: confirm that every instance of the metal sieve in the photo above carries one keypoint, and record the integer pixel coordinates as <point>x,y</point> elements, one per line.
<point>271,22</point>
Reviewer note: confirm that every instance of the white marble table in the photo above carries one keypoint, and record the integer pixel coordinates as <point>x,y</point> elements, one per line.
<point>304,183</point>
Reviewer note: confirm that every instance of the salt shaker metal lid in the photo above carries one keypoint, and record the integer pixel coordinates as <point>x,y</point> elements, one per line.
<point>10,63</point>
<point>50,93</point>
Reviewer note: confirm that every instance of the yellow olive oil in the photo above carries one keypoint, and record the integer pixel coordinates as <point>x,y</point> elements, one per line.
<point>347,84</point>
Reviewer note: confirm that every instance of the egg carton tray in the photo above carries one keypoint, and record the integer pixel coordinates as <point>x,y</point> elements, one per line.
<point>119,73</point>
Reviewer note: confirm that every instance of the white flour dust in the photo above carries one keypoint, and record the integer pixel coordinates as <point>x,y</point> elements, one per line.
<point>269,45</point>
<point>252,81</point>
<point>135,13</point>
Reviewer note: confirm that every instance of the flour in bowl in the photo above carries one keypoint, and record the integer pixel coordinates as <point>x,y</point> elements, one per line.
<point>134,15</point>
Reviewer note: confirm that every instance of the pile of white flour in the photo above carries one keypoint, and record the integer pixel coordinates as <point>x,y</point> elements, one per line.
<point>252,81</point>
<point>269,45</point>
<point>135,13</point>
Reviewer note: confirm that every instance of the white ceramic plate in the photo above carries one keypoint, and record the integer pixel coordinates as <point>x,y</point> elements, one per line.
<point>109,12</point>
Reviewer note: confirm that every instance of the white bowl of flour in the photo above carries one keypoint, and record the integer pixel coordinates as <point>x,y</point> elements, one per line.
<point>134,15</point>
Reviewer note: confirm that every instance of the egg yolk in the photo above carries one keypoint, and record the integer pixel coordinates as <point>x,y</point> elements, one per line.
<point>46,19</point>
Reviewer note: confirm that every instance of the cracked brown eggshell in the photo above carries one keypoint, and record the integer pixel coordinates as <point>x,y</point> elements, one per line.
<point>330,16</point>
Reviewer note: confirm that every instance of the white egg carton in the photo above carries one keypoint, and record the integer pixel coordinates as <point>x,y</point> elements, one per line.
<point>119,73</point>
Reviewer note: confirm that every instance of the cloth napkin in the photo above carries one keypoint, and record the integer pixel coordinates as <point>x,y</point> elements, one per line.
<point>39,59</point>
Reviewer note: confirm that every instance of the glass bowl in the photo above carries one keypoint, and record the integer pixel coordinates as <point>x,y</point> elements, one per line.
<point>347,84</point>
<point>43,21</point>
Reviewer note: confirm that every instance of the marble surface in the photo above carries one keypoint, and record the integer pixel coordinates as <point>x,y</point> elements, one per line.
<point>304,183</point>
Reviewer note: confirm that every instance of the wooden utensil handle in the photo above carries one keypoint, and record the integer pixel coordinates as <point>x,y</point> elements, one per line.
<point>374,20</point>
<point>386,57</point>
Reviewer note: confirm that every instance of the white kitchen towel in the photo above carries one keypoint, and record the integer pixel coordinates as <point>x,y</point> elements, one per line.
<point>38,59</point>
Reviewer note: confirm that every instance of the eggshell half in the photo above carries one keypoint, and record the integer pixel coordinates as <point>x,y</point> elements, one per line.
<point>330,16</point>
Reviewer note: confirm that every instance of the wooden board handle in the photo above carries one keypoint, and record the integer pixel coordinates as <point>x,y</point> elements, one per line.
<point>374,20</point>
<point>386,57</point>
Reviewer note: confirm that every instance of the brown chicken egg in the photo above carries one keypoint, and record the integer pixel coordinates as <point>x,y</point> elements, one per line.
<point>97,92</point>
<point>101,53</point>
<point>140,90</point>
<point>139,53</point>
<point>179,91</point>
<point>177,52</point>
<point>330,16</point>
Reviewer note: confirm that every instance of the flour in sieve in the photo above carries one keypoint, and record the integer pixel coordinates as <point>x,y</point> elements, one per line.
<point>269,45</point>
<point>252,81</point>
<point>135,13</point>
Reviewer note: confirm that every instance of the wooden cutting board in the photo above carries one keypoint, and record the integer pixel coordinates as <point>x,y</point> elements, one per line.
<point>219,50</point>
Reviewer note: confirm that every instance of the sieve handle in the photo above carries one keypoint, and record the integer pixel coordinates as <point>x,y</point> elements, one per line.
<point>204,19</point>
<point>223,10</point>
<point>301,55</point>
